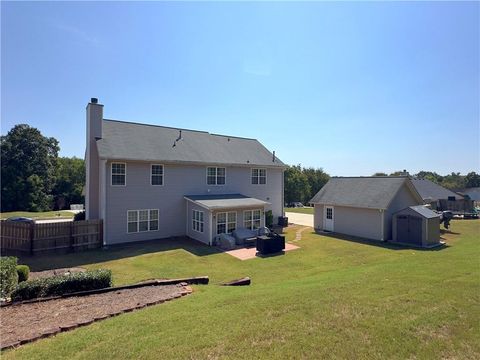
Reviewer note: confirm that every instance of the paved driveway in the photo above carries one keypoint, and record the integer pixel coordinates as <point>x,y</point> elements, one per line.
<point>300,219</point>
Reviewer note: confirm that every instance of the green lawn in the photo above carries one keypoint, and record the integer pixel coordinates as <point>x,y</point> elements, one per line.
<point>304,210</point>
<point>37,215</point>
<point>332,298</point>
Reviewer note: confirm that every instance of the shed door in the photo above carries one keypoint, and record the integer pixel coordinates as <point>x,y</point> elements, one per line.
<point>409,229</point>
<point>328,216</point>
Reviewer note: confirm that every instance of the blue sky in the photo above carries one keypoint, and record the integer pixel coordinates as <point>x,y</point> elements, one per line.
<point>354,88</point>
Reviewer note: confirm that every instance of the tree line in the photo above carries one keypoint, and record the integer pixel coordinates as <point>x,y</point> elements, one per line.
<point>34,177</point>
<point>453,181</point>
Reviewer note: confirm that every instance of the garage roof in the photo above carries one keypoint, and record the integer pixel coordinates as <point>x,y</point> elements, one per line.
<point>225,201</point>
<point>374,192</point>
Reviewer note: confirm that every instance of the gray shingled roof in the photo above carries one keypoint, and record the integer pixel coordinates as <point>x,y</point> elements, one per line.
<point>364,192</point>
<point>429,190</point>
<point>225,201</point>
<point>425,212</point>
<point>131,141</point>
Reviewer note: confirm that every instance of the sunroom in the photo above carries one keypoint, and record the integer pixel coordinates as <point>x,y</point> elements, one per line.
<point>209,216</point>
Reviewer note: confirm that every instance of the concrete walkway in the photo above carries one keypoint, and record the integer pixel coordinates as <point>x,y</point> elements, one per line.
<point>300,219</point>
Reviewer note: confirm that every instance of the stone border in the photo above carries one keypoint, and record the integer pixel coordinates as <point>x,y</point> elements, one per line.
<point>193,280</point>
<point>53,331</point>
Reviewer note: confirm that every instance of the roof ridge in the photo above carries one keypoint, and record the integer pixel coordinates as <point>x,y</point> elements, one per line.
<point>154,125</point>
<point>178,128</point>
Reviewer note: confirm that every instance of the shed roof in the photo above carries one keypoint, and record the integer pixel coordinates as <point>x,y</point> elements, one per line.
<point>375,192</point>
<point>429,190</point>
<point>132,141</point>
<point>225,201</point>
<point>423,211</point>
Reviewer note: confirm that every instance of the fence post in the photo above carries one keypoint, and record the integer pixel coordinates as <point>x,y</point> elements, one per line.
<point>71,236</point>
<point>100,232</point>
<point>32,235</point>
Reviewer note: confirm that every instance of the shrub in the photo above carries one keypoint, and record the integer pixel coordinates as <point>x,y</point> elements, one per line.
<point>269,218</point>
<point>23,271</point>
<point>8,275</point>
<point>79,216</point>
<point>63,284</point>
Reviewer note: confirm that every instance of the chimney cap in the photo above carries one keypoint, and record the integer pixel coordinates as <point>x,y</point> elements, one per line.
<point>94,100</point>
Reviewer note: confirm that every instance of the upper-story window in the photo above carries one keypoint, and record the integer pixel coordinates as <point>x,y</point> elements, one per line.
<point>119,173</point>
<point>156,174</point>
<point>216,176</point>
<point>259,176</point>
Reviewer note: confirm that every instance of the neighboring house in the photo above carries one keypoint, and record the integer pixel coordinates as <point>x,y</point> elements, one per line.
<point>432,193</point>
<point>363,206</point>
<point>472,193</point>
<point>442,199</point>
<point>150,182</point>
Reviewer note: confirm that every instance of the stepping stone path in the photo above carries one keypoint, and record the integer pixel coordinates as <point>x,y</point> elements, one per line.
<point>298,234</point>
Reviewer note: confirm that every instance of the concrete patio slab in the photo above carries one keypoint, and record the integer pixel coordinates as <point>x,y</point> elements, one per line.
<point>251,253</point>
<point>300,219</point>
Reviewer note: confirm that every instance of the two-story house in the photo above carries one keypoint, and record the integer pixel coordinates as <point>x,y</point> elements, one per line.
<point>150,182</point>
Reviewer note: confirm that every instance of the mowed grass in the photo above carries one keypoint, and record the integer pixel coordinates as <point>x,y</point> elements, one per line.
<point>331,298</point>
<point>304,210</point>
<point>37,215</point>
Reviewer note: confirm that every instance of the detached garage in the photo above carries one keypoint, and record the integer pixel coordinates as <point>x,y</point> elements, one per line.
<point>363,206</point>
<point>417,226</point>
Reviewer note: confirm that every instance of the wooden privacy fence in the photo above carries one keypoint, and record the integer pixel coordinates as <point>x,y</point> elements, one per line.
<point>59,236</point>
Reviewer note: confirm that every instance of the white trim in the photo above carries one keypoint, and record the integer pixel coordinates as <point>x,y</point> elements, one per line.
<point>325,207</point>
<point>198,221</point>
<point>226,221</point>
<point>382,235</point>
<point>163,174</point>
<point>111,174</point>
<point>196,203</point>
<point>253,220</point>
<point>138,220</point>
<point>103,198</point>
<point>216,175</point>
<point>210,230</point>
<point>258,176</point>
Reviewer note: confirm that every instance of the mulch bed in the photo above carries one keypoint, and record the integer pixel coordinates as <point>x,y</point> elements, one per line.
<point>23,323</point>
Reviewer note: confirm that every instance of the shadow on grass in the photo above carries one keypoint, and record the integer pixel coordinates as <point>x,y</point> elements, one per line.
<point>382,244</point>
<point>48,261</point>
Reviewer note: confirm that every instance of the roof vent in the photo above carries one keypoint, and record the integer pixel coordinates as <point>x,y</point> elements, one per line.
<point>273,159</point>
<point>94,100</point>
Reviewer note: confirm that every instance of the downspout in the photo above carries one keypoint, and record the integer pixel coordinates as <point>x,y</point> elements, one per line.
<point>382,237</point>
<point>210,230</point>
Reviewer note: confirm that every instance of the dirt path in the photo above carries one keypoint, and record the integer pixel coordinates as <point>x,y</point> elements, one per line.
<point>28,322</point>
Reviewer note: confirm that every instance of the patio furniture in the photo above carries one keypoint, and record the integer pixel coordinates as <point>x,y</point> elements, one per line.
<point>270,244</point>
<point>243,236</point>
<point>226,242</point>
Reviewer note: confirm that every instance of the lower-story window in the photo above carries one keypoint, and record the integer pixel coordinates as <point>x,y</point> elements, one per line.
<point>197,220</point>
<point>251,219</point>
<point>226,222</point>
<point>142,220</point>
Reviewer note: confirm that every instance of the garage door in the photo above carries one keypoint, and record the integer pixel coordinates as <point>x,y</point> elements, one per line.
<point>409,229</point>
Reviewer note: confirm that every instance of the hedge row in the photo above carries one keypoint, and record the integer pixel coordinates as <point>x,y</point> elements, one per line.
<point>63,284</point>
<point>8,275</point>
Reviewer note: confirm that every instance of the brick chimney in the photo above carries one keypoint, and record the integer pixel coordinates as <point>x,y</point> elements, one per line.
<point>92,163</point>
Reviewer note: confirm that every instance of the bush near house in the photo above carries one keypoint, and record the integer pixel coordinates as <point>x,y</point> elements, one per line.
<point>23,272</point>
<point>79,216</point>
<point>63,284</point>
<point>8,275</point>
